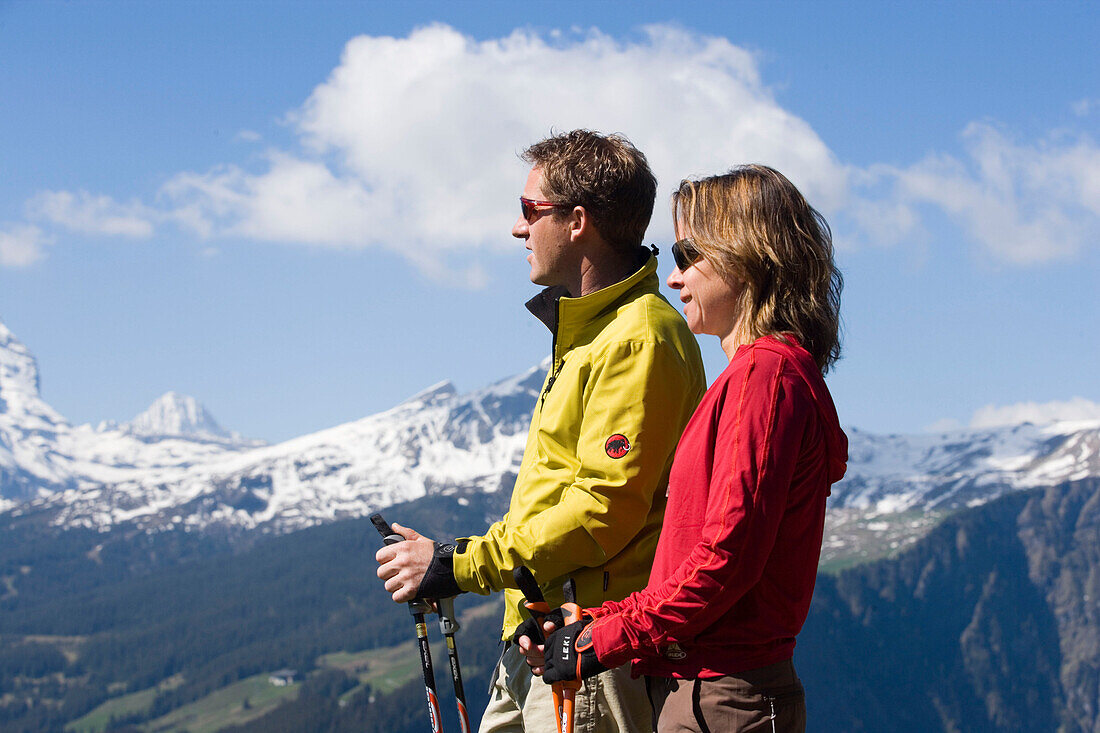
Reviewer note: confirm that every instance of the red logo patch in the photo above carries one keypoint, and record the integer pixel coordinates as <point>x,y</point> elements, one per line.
<point>617,445</point>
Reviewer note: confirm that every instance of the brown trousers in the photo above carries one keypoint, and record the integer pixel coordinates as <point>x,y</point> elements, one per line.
<point>765,700</point>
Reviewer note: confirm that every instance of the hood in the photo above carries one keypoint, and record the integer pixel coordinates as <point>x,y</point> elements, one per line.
<point>836,442</point>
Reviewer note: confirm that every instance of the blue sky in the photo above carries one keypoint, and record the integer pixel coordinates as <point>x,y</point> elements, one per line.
<point>299,213</point>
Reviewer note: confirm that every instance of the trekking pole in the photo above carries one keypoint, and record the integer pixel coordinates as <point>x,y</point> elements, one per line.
<point>417,607</point>
<point>448,625</point>
<point>538,607</point>
<point>572,613</point>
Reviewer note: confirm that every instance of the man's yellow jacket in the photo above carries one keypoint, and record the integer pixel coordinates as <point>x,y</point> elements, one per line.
<point>590,494</point>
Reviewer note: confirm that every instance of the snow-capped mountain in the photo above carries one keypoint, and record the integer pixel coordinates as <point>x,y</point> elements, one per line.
<point>173,414</point>
<point>435,442</point>
<point>29,428</point>
<point>898,487</point>
<point>174,466</point>
<point>44,457</point>
<point>946,471</point>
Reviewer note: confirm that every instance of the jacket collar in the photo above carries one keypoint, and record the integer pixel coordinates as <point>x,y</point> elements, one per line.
<point>552,306</point>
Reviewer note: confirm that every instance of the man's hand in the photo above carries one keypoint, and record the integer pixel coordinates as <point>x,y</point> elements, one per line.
<point>403,564</point>
<point>524,638</point>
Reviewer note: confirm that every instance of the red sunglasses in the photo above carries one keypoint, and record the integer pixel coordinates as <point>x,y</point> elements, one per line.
<point>530,207</point>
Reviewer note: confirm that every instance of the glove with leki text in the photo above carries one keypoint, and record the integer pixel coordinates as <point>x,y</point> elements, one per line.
<point>569,654</point>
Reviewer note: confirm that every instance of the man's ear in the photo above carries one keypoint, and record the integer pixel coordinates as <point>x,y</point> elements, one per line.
<point>580,223</point>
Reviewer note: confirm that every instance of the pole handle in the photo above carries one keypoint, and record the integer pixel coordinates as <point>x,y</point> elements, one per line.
<point>536,604</point>
<point>571,612</point>
<point>525,581</point>
<point>388,535</point>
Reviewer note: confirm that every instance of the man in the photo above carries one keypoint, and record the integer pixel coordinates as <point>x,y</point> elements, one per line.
<point>626,376</point>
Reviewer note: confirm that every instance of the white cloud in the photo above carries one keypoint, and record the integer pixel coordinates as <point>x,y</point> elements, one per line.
<point>1023,203</point>
<point>411,143</point>
<point>91,214</point>
<point>294,201</point>
<point>1075,409</point>
<point>21,245</point>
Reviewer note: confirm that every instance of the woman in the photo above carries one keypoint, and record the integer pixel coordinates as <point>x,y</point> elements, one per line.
<point>714,630</point>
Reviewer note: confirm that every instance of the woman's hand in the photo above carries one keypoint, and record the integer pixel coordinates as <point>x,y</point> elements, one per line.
<point>572,656</point>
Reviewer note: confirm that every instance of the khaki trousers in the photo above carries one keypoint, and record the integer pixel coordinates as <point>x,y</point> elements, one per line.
<point>611,702</point>
<point>765,700</point>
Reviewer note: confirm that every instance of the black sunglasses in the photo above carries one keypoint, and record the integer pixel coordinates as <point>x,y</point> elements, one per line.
<point>685,254</point>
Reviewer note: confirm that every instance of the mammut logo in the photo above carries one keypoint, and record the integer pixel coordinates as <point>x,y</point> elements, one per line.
<point>675,652</point>
<point>617,445</point>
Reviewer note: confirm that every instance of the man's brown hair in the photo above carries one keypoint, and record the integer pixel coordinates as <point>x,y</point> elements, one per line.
<point>605,174</point>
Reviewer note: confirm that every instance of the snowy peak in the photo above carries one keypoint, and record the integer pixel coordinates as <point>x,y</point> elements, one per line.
<point>438,393</point>
<point>19,398</point>
<point>177,415</point>
<point>18,371</point>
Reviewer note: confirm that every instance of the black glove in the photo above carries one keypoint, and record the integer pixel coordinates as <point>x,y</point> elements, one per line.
<point>439,579</point>
<point>533,630</point>
<point>569,654</point>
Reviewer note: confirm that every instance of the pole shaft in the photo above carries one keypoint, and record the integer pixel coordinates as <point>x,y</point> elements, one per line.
<point>448,625</point>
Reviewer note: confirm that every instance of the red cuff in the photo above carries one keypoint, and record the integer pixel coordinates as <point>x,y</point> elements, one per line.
<point>610,642</point>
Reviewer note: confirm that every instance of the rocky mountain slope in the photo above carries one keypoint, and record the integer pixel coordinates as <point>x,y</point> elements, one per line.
<point>989,623</point>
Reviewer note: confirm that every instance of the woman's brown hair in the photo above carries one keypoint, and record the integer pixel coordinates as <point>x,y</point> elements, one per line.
<point>755,227</point>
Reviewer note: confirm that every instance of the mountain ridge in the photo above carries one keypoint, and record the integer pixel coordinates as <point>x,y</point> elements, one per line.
<point>441,442</point>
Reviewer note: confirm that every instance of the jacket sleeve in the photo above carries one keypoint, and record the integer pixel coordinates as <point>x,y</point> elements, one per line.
<point>757,445</point>
<point>633,389</point>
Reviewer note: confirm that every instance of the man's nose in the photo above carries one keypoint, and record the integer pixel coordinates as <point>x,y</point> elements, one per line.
<point>520,229</point>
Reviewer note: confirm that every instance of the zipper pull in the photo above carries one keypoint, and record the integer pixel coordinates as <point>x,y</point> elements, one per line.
<point>549,384</point>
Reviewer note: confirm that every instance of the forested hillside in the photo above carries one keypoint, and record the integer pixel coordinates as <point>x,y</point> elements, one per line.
<point>988,624</point>
<point>79,628</point>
